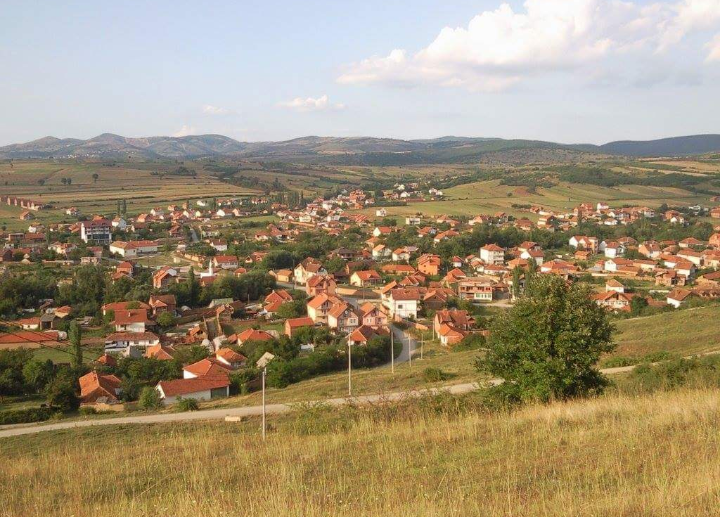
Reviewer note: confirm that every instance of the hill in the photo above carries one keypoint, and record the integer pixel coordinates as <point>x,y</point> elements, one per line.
<point>611,456</point>
<point>351,150</point>
<point>678,146</point>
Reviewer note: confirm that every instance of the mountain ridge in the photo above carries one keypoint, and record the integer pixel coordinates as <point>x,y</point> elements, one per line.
<point>345,150</point>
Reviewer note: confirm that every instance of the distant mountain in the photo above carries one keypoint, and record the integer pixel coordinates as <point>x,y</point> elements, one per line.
<point>350,151</point>
<point>677,146</point>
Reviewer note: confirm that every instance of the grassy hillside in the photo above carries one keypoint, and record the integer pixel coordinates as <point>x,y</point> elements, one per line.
<point>613,456</point>
<point>692,331</point>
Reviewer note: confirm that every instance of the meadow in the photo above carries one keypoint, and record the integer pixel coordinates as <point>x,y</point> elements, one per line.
<point>612,456</point>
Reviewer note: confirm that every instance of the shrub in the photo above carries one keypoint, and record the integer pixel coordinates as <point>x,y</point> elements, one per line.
<point>149,398</point>
<point>25,416</point>
<point>187,405</point>
<point>87,410</point>
<point>435,375</point>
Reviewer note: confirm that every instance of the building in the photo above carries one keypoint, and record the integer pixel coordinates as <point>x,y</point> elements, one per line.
<point>403,303</point>
<point>202,388</point>
<point>319,306</point>
<point>343,318</point>
<point>132,249</point>
<point>365,278</point>
<point>492,254</point>
<point>97,231</point>
<point>131,320</point>
<point>124,341</point>
<point>476,289</point>
<point>99,388</point>
<point>293,324</point>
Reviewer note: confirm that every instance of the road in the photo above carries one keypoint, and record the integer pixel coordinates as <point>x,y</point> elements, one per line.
<point>219,414</point>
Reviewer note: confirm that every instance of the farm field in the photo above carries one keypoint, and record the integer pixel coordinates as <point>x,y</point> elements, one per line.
<point>641,455</point>
<point>490,196</point>
<point>137,184</point>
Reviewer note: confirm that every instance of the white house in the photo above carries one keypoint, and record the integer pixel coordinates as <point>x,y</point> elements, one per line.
<point>402,302</point>
<point>492,254</point>
<point>201,388</point>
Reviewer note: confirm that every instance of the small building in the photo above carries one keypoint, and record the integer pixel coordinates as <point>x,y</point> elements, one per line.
<point>200,388</point>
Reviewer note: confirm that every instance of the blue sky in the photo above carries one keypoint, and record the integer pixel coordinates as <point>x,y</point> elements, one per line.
<point>562,70</point>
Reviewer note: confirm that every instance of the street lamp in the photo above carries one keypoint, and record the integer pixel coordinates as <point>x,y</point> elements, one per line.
<point>349,369</point>
<point>264,373</point>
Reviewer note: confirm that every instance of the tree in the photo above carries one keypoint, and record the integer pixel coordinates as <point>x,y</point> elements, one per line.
<point>149,398</point>
<point>193,288</point>
<point>75,338</point>
<point>166,320</point>
<point>62,393</point>
<point>38,374</point>
<point>547,346</point>
<point>95,177</point>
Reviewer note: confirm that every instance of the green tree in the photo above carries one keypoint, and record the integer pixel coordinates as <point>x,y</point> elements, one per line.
<point>75,338</point>
<point>38,374</point>
<point>149,398</point>
<point>166,320</point>
<point>95,177</point>
<point>547,346</point>
<point>193,288</point>
<point>62,393</point>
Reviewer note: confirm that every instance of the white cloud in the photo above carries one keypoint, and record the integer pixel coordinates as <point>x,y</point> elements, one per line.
<point>502,47</point>
<point>311,104</point>
<point>185,131</point>
<point>214,110</point>
<point>714,49</point>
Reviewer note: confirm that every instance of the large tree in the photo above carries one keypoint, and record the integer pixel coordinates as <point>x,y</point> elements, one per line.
<point>548,345</point>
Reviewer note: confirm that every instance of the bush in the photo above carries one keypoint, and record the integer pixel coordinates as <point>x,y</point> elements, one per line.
<point>187,405</point>
<point>25,416</point>
<point>87,410</point>
<point>435,375</point>
<point>149,398</point>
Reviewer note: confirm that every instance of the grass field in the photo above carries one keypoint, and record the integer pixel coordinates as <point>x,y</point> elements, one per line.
<point>685,332</point>
<point>613,456</point>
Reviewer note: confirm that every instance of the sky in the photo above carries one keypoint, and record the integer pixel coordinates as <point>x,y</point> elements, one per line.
<point>573,71</point>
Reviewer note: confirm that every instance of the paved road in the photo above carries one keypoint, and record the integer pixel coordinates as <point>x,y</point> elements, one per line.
<point>218,414</point>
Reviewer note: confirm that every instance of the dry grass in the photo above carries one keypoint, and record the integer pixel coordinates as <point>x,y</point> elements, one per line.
<point>614,456</point>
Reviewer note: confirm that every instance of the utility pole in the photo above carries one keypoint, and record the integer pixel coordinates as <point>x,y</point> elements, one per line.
<point>349,370</point>
<point>264,372</point>
<point>409,342</point>
<point>422,344</point>
<point>392,349</point>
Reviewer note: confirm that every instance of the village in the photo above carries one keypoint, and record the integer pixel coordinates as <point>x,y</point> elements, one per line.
<point>181,277</point>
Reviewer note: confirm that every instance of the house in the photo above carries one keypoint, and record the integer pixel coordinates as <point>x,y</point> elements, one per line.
<point>429,264</point>
<point>124,341</point>
<point>343,318</point>
<point>131,249</point>
<point>372,316</point>
<point>365,278</point>
<point>492,254</point>
<point>363,334</point>
<point>380,251</point>
<point>450,335</point>
<point>403,302</point>
<point>678,297</point>
<point>208,367</point>
<point>320,284</point>
<point>220,245</point>
<point>230,358</point>
<point>614,300</point>
<point>160,352</point>
<point>281,275</point>
<point>165,276</point>
<point>225,262</point>
<point>614,285</point>
<point>293,324</point>
<point>202,388</point>
<point>476,289</point>
<point>307,269</point>
<point>319,306</point>
<point>275,299</point>
<point>458,319</point>
<point>253,335</point>
<point>99,388</point>
<point>97,231</point>
<point>131,320</point>
<point>382,230</point>
<point>162,303</point>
